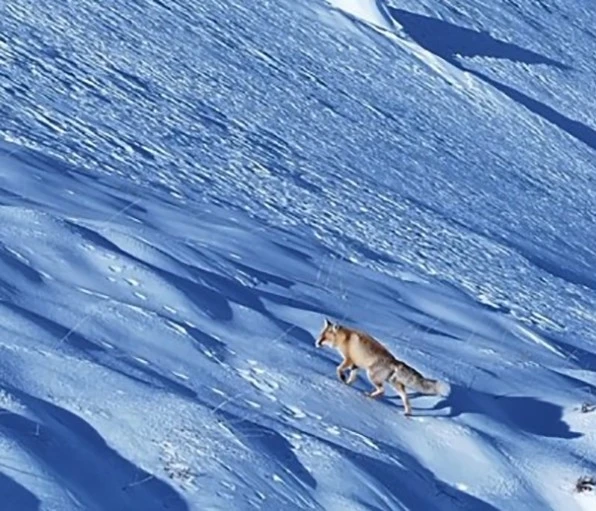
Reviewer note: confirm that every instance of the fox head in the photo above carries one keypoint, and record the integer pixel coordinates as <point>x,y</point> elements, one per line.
<point>328,334</point>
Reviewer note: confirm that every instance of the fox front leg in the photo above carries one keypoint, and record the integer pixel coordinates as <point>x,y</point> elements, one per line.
<point>374,378</point>
<point>377,392</point>
<point>346,363</point>
<point>352,376</point>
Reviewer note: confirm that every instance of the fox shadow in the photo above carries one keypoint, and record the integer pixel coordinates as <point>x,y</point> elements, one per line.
<point>15,496</point>
<point>82,461</point>
<point>524,413</point>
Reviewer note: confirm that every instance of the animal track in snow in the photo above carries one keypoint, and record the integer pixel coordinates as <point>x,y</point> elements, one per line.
<point>176,327</point>
<point>176,467</point>
<point>364,439</point>
<point>267,386</point>
<point>90,292</point>
<point>296,412</point>
<point>334,430</point>
<point>45,275</point>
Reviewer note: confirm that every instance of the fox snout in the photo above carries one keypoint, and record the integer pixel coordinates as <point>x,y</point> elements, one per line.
<point>327,335</point>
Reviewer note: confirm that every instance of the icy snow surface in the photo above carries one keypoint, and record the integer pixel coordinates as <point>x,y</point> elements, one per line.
<point>188,188</point>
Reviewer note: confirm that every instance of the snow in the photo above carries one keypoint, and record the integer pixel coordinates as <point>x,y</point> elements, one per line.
<point>370,11</point>
<point>187,189</point>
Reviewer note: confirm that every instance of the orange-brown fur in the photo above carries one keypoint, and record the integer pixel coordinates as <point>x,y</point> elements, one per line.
<point>362,351</point>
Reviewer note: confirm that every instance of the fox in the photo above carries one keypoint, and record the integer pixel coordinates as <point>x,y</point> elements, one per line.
<point>362,351</point>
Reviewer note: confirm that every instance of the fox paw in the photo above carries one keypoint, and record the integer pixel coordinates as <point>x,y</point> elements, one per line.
<point>342,377</point>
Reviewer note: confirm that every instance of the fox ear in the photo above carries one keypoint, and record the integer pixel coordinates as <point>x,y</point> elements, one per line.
<point>327,322</point>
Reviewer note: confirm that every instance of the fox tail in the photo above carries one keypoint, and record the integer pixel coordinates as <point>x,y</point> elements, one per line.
<point>436,387</point>
<point>403,374</point>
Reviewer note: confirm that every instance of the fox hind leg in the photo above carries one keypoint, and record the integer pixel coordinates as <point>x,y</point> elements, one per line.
<point>401,390</point>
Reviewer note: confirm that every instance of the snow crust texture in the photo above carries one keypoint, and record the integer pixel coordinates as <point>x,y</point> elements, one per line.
<point>187,189</point>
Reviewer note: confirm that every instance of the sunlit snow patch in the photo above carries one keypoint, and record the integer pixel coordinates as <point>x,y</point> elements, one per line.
<point>371,11</point>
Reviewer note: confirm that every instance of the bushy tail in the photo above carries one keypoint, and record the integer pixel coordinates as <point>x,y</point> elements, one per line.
<point>437,387</point>
<point>402,374</point>
<point>443,388</point>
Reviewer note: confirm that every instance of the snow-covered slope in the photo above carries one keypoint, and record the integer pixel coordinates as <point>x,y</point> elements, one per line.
<point>374,12</point>
<point>187,189</point>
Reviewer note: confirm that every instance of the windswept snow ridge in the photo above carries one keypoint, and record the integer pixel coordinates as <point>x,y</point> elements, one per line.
<point>187,189</point>
<point>370,11</point>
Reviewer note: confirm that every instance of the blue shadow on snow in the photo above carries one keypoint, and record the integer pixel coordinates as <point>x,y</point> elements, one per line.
<point>523,413</point>
<point>82,461</point>
<point>449,42</point>
<point>408,482</point>
<point>15,497</point>
<point>269,442</point>
<point>576,129</point>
